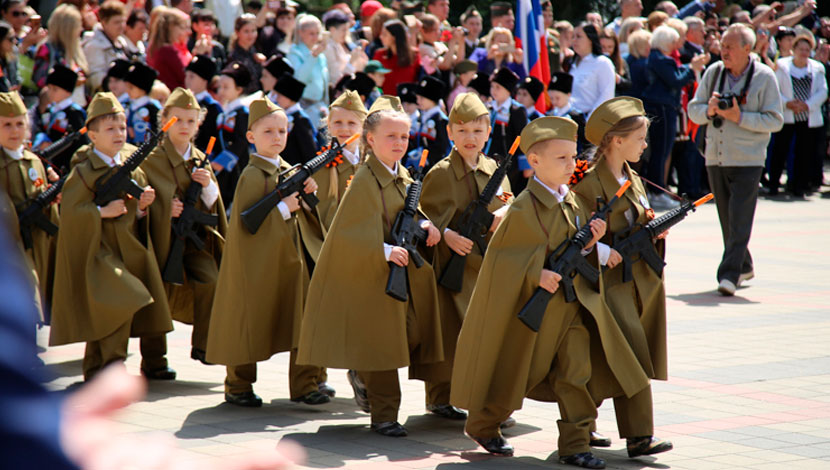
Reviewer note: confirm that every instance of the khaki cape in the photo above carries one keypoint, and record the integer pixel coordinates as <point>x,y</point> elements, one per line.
<point>639,306</point>
<point>106,272</point>
<point>169,175</point>
<point>262,280</point>
<point>23,180</point>
<point>349,321</point>
<point>498,359</point>
<point>315,225</point>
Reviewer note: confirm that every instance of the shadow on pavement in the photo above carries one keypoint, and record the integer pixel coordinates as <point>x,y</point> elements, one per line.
<point>711,298</point>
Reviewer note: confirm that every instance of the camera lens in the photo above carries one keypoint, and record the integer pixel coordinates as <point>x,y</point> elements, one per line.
<point>717,121</point>
<point>723,104</point>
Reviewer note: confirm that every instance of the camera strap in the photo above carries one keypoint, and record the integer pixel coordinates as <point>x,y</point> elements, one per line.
<point>747,83</point>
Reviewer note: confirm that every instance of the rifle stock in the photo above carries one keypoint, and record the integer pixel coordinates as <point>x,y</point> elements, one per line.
<point>32,214</point>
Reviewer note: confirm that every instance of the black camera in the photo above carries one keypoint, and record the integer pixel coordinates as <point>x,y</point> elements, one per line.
<point>725,101</point>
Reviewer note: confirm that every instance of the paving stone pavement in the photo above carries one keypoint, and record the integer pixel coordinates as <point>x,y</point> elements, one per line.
<point>749,383</point>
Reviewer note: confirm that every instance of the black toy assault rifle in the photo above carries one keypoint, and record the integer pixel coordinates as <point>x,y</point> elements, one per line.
<point>567,261</point>
<point>407,233</point>
<point>474,224</point>
<point>32,214</point>
<point>57,147</point>
<point>254,216</point>
<point>629,245</point>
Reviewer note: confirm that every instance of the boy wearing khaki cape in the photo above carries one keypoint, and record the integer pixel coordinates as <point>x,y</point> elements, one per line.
<point>263,277</point>
<point>449,188</point>
<point>23,178</point>
<point>107,282</point>
<point>171,168</point>
<point>499,360</point>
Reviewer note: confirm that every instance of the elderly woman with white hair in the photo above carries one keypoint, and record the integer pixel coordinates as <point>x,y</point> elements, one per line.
<point>310,66</point>
<point>661,99</point>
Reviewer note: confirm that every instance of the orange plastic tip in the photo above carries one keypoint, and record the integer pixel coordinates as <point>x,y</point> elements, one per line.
<point>423,158</point>
<point>515,145</point>
<point>623,188</point>
<point>83,130</point>
<point>169,123</point>
<point>704,199</point>
<point>209,148</point>
<point>351,139</point>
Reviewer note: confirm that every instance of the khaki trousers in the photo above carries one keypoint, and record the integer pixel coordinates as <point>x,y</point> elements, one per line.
<point>302,379</point>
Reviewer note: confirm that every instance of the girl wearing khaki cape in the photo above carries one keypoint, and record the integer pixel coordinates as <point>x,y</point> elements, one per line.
<point>263,277</point>
<point>618,128</point>
<point>349,321</point>
<point>171,168</point>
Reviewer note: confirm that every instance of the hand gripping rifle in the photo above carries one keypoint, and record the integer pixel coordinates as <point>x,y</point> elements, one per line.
<point>185,227</point>
<point>32,214</point>
<point>567,261</point>
<point>474,224</point>
<point>254,216</point>
<point>629,244</point>
<point>113,186</point>
<point>407,233</point>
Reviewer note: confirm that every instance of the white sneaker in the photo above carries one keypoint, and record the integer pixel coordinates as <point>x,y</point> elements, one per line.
<point>745,277</point>
<point>727,287</point>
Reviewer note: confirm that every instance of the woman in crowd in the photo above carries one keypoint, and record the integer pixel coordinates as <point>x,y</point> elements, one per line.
<point>594,74</point>
<point>566,37</point>
<point>803,87</point>
<point>661,98</point>
<point>628,26</point>
<point>167,49</point>
<point>342,56</point>
<point>242,49</point>
<point>63,47</point>
<point>611,49</point>
<point>499,51</point>
<point>10,79</point>
<point>397,56</point>
<point>379,18</point>
<point>639,46</point>
<point>203,24</point>
<point>310,66</point>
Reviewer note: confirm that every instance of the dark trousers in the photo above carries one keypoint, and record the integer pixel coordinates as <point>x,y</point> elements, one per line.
<point>661,135</point>
<point>690,166</point>
<point>805,155</point>
<point>736,194</point>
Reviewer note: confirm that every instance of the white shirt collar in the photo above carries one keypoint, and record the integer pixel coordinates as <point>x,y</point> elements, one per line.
<point>111,161</point>
<point>139,102</point>
<point>16,154</point>
<point>560,194</point>
<point>187,153</point>
<point>503,106</point>
<point>234,104</point>
<point>426,115</point>
<point>353,158</point>
<point>273,161</point>
<point>294,109</point>
<point>201,95</point>
<point>62,104</point>
<point>559,112</point>
<point>393,170</point>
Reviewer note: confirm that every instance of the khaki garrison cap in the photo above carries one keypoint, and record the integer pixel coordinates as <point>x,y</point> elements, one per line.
<point>260,108</point>
<point>386,102</point>
<point>609,114</point>
<point>467,107</point>
<point>547,128</point>
<point>11,104</point>
<point>102,104</point>
<point>182,98</point>
<point>350,100</point>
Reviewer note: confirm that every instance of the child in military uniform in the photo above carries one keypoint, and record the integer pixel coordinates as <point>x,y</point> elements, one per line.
<point>263,278</point>
<point>508,118</point>
<point>197,76</point>
<point>231,156</point>
<point>344,314</point>
<point>302,134</point>
<point>107,282</point>
<point>451,185</point>
<point>431,127</point>
<point>499,360</point>
<point>23,178</point>
<point>171,169</point>
<point>528,93</point>
<point>64,114</point>
<point>142,115</point>
<point>559,91</point>
<point>619,128</point>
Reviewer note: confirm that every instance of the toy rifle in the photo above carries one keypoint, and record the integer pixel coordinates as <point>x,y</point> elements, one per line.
<point>114,185</point>
<point>567,261</point>
<point>407,233</point>
<point>474,224</point>
<point>254,216</point>
<point>629,244</point>
<point>32,214</point>
<point>185,227</point>
<point>57,147</point>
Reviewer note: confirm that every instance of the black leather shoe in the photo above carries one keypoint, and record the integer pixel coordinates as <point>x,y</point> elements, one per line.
<point>584,460</point>
<point>647,445</point>
<point>507,423</point>
<point>326,389</point>
<point>598,440</point>
<point>361,397</point>
<point>246,399</point>
<point>389,429</point>
<point>312,398</point>
<point>163,373</point>
<point>199,355</point>
<point>495,445</point>
<point>447,411</point>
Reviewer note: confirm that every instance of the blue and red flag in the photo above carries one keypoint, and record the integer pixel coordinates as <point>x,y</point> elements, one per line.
<point>530,29</point>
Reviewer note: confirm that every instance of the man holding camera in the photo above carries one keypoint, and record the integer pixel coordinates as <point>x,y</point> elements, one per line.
<point>739,100</point>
